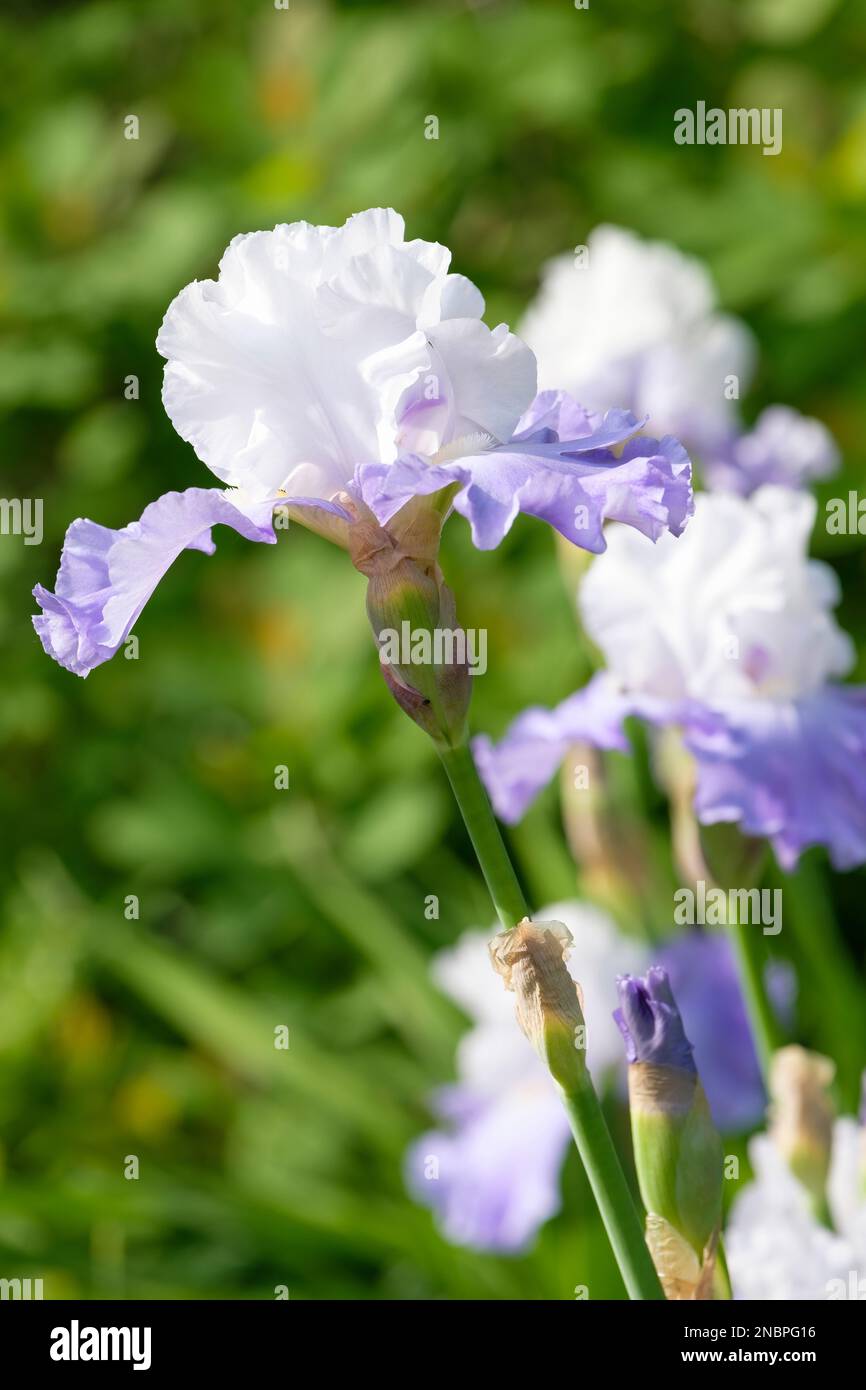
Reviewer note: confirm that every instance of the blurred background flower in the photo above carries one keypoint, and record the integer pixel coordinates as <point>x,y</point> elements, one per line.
<point>799,1229</point>
<point>726,637</point>
<point>629,323</point>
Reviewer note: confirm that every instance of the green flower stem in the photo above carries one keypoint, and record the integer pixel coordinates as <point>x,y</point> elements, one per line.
<point>751,960</point>
<point>591,1134</point>
<point>823,957</point>
<point>611,1191</point>
<point>485,835</point>
<point>730,860</point>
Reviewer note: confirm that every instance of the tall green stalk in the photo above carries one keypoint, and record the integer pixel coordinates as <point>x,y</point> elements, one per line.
<point>477,813</point>
<point>591,1135</point>
<point>611,1192</point>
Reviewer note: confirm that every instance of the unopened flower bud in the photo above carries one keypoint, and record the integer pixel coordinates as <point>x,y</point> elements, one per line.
<point>422,649</point>
<point>802,1114</point>
<point>678,1152</point>
<point>531,960</point>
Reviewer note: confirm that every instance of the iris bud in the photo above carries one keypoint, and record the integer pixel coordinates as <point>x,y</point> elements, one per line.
<point>678,1152</point>
<point>412,613</point>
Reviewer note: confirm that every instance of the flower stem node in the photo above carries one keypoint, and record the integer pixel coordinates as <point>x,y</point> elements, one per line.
<point>531,960</point>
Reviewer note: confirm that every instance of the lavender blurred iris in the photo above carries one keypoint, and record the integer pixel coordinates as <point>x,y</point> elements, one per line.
<point>703,976</point>
<point>727,635</point>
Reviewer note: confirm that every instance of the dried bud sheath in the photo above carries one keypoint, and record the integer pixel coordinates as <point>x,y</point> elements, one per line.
<point>802,1114</point>
<point>531,960</point>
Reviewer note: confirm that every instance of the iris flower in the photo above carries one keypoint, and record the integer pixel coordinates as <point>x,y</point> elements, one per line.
<point>728,636</point>
<point>337,373</point>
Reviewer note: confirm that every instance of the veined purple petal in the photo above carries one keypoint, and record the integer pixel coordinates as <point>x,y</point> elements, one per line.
<point>385,488</point>
<point>794,771</point>
<point>559,416</point>
<point>528,755</point>
<point>650,1021</point>
<point>576,490</point>
<point>559,413</point>
<point>517,768</point>
<point>791,771</point>
<point>574,483</point>
<point>106,577</point>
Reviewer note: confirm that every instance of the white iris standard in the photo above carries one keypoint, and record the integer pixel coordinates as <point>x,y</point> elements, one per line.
<point>321,348</point>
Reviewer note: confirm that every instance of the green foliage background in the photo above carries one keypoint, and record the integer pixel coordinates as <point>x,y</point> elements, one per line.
<point>156,777</point>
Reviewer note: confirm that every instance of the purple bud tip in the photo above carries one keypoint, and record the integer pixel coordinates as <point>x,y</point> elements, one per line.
<point>650,1022</point>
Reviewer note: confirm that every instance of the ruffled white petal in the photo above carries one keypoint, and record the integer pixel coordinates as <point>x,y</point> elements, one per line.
<point>300,362</point>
